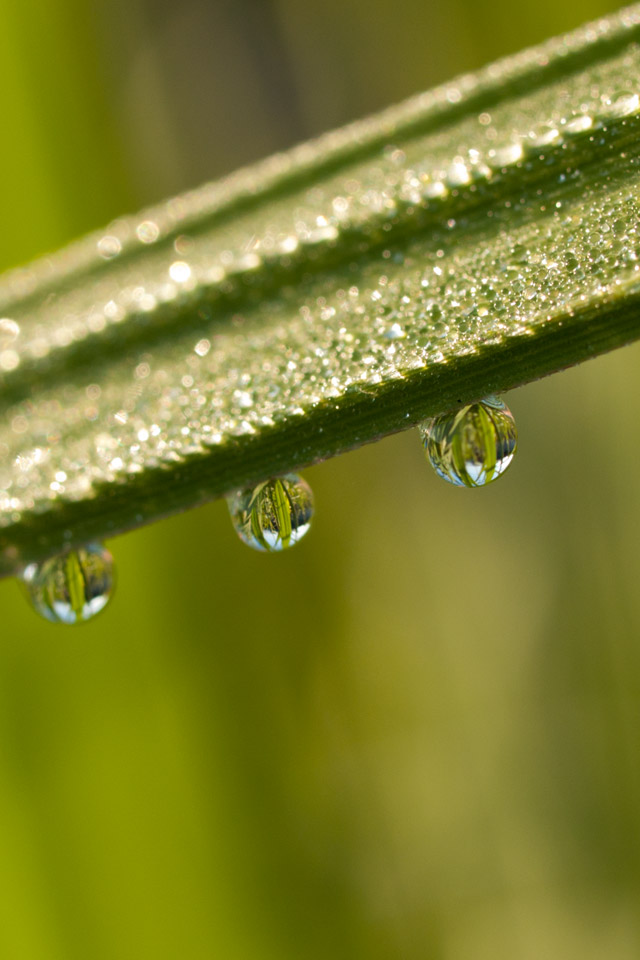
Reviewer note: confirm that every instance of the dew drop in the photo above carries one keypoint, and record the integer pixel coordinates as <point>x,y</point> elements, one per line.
<point>458,173</point>
<point>542,135</point>
<point>274,515</point>
<point>9,359</point>
<point>623,103</point>
<point>9,330</point>
<point>506,154</point>
<point>434,190</point>
<point>71,587</point>
<point>577,123</point>
<point>148,231</point>
<point>109,247</point>
<point>180,271</point>
<point>394,332</point>
<point>472,446</point>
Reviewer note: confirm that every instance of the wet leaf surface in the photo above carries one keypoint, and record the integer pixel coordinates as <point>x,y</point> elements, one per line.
<point>468,241</point>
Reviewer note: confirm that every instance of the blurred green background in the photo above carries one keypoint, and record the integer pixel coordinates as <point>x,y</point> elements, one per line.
<point>417,735</point>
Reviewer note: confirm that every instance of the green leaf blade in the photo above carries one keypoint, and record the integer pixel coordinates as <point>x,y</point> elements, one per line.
<point>462,244</point>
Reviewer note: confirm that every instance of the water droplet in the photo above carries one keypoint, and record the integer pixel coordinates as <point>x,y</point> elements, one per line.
<point>9,330</point>
<point>472,446</point>
<point>274,515</point>
<point>180,271</point>
<point>71,587</point>
<point>434,190</point>
<point>623,103</point>
<point>394,332</point>
<point>506,154</point>
<point>9,359</point>
<point>109,247</point>
<point>458,173</point>
<point>148,231</point>
<point>542,135</point>
<point>577,123</point>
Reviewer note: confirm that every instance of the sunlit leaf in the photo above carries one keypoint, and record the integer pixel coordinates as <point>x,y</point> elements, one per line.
<point>465,242</point>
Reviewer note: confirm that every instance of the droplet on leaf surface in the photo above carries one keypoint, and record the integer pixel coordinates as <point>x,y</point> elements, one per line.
<point>622,103</point>
<point>71,587</point>
<point>274,515</point>
<point>472,446</point>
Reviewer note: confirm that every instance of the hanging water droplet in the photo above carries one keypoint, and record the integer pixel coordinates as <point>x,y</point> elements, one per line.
<point>472,446</point>
<point>71,587</point>
<point>274,515</point>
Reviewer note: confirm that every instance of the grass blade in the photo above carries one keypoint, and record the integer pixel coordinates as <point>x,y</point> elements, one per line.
<point>466,242</point>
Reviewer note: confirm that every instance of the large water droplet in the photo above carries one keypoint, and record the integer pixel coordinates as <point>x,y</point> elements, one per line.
<point>472,446</point>
<point>274,515</point>
<point>73,586</point>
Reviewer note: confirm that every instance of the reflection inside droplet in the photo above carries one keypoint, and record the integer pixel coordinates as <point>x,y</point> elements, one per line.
<point>472,446</point>
<point>274,515</point>
<point>71,587</point>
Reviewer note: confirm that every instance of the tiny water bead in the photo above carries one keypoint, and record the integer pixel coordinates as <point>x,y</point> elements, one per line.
<point>71,587</point>
<point>274,515</point>
<point>473,446</point>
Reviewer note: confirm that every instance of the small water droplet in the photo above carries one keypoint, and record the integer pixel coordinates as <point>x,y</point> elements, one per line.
<point>148,231</point>
<point>434,190</point>
<point>9,330</point>
<point>274,515</point>
<point>394,332</point>
<point>577,123</point>
<point>506,154</point>
<point>109,247</point>
<point>180,271</point>
<point>9,359</point>
<point>542,135</point>
<point>458,173</point>
<point>71,587</point>
<point>622,103</point>
<point>473,446</point>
